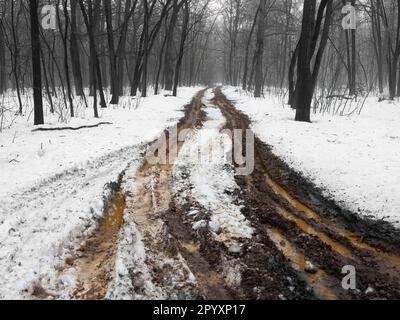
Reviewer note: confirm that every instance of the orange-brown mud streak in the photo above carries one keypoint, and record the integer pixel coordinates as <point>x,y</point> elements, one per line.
<point>303,229</point>
<point>97,256</point>
<point>95,260</point>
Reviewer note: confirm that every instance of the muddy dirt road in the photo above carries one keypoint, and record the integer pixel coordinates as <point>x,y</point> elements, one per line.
<point>295,245</point>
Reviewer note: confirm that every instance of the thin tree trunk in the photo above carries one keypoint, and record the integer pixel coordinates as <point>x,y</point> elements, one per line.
<point>186,17</point>
<point>259,78</point>
<point>292,85</point>
<point>3,80</point>
<point>15,55</point>
<point>246,59</point>
<point>129,10</point>
<point>36,63</point>
<point>353,58</point>
<point>146,46</point>
<point>64,38</point>
<point>286,41</point>
<point>74,51</point>
<point>160,65</point>
<point>89,22</point>
<point>168,59</point>
<point>111,52</point>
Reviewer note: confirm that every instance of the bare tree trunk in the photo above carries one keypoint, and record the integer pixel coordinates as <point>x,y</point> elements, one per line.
<point>233,42</point>
<point>246,59</point>
<point>64,38</point>
<point>46,81</point>
<point>3,71</point>
<point>168,59</point>
<point>36,63</point>
<point>112,53</point>
<point>353,58</point>
<point>146,46</point>
<point>15,54</point>
<point>90,26</point>
<point>306,74</point>
<point>3,84</point>
<point>74,51</point>
<point>292,67</point>
<point>129,10</point>
<point>377,37</point>
<point>288,6</point>
<point>259,78</point>
<point>393,53</point>
<point>304,77</point>
<point>160,65</point>
<point>186,17</point>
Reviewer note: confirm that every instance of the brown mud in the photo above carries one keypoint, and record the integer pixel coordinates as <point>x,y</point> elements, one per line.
<point>301,242</point>
<point>306,226</point>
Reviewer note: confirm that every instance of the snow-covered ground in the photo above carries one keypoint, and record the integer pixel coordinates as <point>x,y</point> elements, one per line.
<point>354,159</point>
<point>52,186</point>
<point>27,158</point>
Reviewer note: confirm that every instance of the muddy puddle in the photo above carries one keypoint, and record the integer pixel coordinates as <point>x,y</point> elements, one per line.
<point>320,281</point>
<point>114,216</point>
<point>309,214</point>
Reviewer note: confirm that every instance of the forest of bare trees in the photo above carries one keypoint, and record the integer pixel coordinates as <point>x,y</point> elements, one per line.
<point>338,48</point>
<point>66,49</point>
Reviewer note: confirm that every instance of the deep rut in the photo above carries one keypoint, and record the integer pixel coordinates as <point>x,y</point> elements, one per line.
<point>292,233</point>
<point>303,234</point>
<point>176,266</point>
<point>171,252</point>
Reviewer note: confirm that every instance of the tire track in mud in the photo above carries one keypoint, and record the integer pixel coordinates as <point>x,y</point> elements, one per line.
<point>172,257</point>
<point>95,261</point>
<point>290,233</point>
<point>96,257</point>
<point>177,268</point>
<point>303,234</point>
<point>183,263</point>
